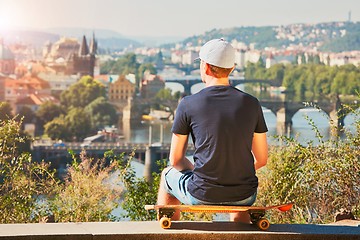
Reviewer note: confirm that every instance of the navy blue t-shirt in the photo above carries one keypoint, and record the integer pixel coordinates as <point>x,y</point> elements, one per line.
<point>221,121</point>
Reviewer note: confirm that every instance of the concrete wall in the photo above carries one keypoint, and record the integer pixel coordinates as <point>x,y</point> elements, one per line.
<point>349,230</point>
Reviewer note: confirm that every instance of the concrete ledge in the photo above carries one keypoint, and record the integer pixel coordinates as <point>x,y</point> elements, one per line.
<point>180,230</point>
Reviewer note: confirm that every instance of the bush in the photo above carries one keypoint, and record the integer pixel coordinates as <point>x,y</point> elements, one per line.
<point>88,193</point>
<point>139,191</point>
<point>22,181</point>
<point>29,192</point>
<point>319,179</point>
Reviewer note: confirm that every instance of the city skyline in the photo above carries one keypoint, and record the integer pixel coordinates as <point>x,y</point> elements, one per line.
<point>168,18</point>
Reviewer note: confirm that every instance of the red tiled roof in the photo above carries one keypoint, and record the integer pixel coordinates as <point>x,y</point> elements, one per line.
<point>37,99</point>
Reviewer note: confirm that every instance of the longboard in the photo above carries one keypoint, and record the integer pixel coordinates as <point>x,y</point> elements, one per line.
<point>257,213</point>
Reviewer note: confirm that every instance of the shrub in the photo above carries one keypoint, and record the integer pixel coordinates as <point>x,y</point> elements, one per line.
<point>88,193</point>
<point>139,191</point>
<point>22,181</point>
<point>320,179</point>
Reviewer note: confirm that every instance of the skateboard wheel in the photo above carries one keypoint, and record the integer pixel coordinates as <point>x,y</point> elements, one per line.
<point>165,222</point>
<point>263,224</point>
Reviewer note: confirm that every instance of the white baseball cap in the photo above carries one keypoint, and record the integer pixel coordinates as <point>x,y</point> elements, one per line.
<point>218,52</point>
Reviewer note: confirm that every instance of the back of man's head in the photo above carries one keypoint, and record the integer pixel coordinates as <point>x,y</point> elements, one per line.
<point>219,53</point>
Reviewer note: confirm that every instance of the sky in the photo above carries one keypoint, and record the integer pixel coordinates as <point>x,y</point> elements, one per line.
<point>180,18</point>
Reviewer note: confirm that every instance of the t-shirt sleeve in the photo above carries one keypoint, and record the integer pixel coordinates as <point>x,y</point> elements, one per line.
<point>261,124</point>
<point>181,122</point>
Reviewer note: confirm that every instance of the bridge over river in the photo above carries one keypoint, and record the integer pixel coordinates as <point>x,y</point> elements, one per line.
<point>144,153</point>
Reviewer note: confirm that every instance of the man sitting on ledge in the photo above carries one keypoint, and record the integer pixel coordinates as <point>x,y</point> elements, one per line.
<point>228,130</point>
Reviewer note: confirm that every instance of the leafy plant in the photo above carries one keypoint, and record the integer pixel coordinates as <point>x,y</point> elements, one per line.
<point>139,191</point>
<point>320,179</point>
<point>22,181</point>
<point>88,193</point>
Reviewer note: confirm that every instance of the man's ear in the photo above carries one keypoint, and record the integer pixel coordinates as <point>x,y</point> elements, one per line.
<point>207,69</point>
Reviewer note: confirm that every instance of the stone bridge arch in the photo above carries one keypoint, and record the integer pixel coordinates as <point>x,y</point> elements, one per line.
<point>285,110</point>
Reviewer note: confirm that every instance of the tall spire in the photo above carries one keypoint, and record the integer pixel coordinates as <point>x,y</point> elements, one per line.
<point>84,49</point>
<point>93,45</point>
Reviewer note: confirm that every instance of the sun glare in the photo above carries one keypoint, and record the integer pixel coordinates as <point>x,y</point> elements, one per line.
<point>8,17</point>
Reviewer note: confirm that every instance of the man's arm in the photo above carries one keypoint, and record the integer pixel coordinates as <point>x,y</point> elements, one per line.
<point>177,152</point>
<point>260,150</point>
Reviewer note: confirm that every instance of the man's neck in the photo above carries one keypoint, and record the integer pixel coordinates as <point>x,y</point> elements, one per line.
<point>211,81</point>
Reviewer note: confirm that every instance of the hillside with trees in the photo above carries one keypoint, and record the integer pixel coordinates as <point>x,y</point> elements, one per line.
<point>332,36</point>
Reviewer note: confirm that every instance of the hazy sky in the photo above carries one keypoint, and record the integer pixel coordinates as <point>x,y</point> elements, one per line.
<point>168,17</point>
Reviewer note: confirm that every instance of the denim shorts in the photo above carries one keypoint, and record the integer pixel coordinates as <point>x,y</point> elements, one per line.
<point>176,184</point>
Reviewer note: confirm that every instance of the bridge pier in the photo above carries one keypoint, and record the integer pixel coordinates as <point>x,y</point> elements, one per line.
<point>187,88</point>
<point>283,122</point>
<point>151,157</point>
<point>284,112</point>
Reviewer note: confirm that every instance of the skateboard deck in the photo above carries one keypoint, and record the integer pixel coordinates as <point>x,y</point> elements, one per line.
<point>257,213</point>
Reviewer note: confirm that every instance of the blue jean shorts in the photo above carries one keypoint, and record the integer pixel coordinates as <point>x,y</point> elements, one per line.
<point>176,184</point>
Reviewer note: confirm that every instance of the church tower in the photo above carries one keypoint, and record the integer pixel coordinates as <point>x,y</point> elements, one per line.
<point>85,61</point>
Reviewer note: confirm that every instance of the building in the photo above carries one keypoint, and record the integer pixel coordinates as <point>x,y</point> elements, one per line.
<point>151,85</point>
<point>34,101</point>
<point>7,60</point>
<point>121,90</point>
<point>252,56</point>
<point>71,57</point>
<point>16,89</point>
<point>240,59</point>
<point>2,87</point>
<point>58,82</point>
<point>270,61</point>
<point>176,56</point>
<point>84,63</point>
<point>189,56</point>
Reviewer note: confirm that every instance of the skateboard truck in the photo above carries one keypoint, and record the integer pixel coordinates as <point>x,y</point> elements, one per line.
<point>257,218</point>
<point>164,217</point>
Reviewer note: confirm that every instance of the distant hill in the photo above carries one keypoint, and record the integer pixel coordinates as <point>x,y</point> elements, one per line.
<point>32,37</point>
<point>79,32</point>
<point>333,36</point>
<point>107,40</point>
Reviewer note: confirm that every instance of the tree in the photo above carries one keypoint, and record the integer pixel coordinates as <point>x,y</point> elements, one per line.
<point>164,94</point>
<point>276,72</point>
<point>125,65</point>
<point>144,67</point>
<point>58,129</point>
<point>250,70</point>
<point>27,115</point>
<point>322,86</point>
<point>5,111</point>
<point>159,60</point>
<point>78,123</point>
<point>82,93</point>
<point>260,63</point>
<point>48,111</point>
<point>102,113</point>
